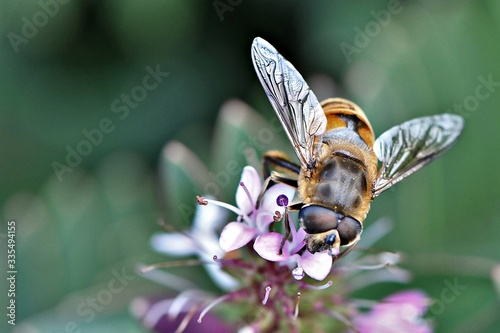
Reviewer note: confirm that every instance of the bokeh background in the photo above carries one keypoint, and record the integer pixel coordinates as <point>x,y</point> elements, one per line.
<point>67,67</point>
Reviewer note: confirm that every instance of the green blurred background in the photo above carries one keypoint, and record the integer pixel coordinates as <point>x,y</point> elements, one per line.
<point>65,66</point>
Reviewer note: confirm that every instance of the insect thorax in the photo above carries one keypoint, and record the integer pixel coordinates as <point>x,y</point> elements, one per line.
<point>342,179</point>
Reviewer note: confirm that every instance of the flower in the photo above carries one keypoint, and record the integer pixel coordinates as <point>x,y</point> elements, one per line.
<point>400,312</point>
<point>170,315</point>
<point>316,265</point>
<point>201,240</point>
<point>273,277</point>
<point>253,224</point>
<point>253,220</point>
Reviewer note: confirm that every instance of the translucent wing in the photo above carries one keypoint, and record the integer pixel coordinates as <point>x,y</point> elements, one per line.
<point>406,148</point>
<point>295,104</point>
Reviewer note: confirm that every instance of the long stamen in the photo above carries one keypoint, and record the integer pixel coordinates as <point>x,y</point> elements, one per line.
<point>341,318</point>
<point>185,321</point>
<point>233,262</point>
<point>266,296</point>
<point>169,280</point>
<point>386,259</point>
<point>192,262</point>
<point>242,184</point>
<point>205,201</point>
<point>365,267</point>
<point>393,274</point>
<point>321,287</point>
<point>211,305</point>
<point>296,314</point>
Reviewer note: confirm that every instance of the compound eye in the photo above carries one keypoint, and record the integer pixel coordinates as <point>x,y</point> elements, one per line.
<point>349,230</point>
<point>316,219</point>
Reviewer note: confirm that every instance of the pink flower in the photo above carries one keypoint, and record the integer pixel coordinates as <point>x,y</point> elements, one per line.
<point>317,265</point>
<point>400,312</point>
<point>252,220</point>
<point>271,273</point>
<point>202,240</point>
<point>254,224</point>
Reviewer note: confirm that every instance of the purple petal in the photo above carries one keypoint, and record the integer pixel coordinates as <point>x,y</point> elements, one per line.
<point>268,247</point>
<point>250,177</point>
<point>401,312</point>
<point>236,235</point>
<point>317,265</point>
<point>414,297</point>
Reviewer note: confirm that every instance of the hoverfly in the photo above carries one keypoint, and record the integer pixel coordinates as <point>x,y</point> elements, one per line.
<point>338,176</point>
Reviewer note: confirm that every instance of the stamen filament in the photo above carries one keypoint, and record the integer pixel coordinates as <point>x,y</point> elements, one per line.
<point>169,280</point>
<point>192,262</point>
<point>211,305</point>
<point>341,318</point>
<point>242,184</point>
<point>233,262</point>
<point>321,287</point>
<point>231,208</point>
<point>365,267</point>
<point>266,297</point>
<point>296,314</point>
<point>185,321</point>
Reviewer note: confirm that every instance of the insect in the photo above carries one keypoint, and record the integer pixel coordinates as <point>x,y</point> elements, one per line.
<point>339,173</point>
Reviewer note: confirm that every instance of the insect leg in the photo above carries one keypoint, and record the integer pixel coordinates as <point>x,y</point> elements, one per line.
<point>346,251</point>
<point>279,161</point>
<point>285,170</point>
<point>288,231</point>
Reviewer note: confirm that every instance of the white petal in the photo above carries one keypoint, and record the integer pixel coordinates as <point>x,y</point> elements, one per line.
<point>221,278</point>
<point>175,244</point>
<point>269,201</point>
<point>208,219</point>
<point>269,205</point>
<point>317,265</point>
<point>250,177</point>
<point>236,235</point>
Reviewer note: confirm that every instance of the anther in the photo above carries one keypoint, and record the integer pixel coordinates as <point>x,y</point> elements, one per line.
<point>201,201</point>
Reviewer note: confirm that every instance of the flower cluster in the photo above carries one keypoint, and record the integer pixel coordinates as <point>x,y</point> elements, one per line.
<point>273,279</point>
